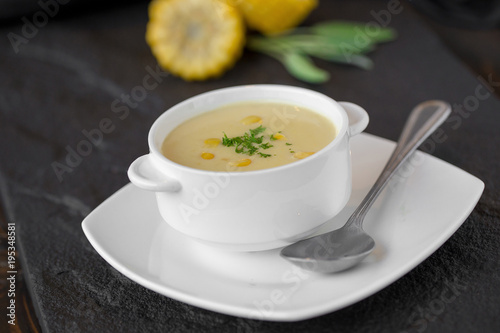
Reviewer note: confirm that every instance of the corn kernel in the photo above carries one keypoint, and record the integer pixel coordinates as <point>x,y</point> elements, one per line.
<point>242,162</point>
<point>251,120</point>
<point>279,136</point>
<point>212,142</point>
<point>302,154</point>
<point>207,156</point>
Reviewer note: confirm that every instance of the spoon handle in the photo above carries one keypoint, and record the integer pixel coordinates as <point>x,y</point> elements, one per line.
<point>424,119</point>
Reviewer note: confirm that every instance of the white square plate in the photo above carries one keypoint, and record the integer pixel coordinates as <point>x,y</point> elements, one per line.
<point>420,209</point>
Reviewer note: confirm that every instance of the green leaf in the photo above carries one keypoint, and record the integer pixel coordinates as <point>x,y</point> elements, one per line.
<point>266,44</point>
<point>361,61</point>
<point>358,60</point>
<point>257,130</point>
<point>338,29</point>
<point>322,46</point>
<point>302,67</point>
<point>352,31</point>
<point>337,41</point>
<point>311,44</point>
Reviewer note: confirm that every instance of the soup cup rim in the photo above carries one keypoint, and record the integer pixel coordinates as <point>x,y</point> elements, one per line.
<point>338,137</point>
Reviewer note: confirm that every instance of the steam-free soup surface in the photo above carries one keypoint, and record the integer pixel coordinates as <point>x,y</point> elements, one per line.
<point>248,136</point>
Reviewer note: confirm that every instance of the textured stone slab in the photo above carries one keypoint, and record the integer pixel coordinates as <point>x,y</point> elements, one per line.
<point>71,78</point>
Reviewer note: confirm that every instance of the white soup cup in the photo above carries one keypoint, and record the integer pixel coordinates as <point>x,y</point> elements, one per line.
<point>252,210</point>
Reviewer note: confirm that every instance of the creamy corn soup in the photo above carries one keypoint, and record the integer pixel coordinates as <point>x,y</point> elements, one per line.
<point>248,136</point>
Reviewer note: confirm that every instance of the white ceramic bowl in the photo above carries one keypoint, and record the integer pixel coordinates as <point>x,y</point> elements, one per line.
<point>252,210</point>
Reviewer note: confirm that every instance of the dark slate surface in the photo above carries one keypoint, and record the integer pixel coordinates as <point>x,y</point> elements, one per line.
<point>65,80</point>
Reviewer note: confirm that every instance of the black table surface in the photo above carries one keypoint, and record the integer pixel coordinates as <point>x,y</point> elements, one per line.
<point>65,78</point>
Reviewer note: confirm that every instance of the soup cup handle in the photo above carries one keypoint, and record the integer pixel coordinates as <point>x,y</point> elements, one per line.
<point>143,174</point>
<point>358,117</point>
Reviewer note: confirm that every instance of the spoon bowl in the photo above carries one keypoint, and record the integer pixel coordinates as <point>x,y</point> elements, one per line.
<point>344,248</point>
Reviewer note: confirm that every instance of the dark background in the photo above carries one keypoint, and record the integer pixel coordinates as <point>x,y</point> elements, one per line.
<point>64,80</point>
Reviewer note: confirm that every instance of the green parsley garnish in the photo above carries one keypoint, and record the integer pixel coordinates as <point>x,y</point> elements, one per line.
<point>249,143</point>
<point>258,130</point>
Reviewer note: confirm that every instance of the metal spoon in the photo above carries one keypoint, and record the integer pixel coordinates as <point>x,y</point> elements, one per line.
<point>344,248</point>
